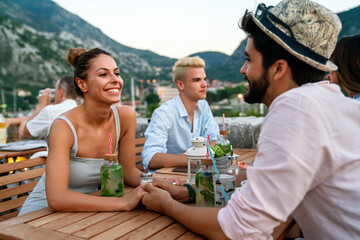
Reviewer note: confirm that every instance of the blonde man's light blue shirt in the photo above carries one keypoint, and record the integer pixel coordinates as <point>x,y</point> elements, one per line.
<point>169,130</point>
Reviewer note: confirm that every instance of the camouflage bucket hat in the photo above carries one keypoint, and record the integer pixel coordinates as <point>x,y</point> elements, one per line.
<point>306,29</point>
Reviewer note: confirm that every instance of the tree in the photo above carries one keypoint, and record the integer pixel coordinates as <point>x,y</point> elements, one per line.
<point>152,101</point>
<point>152,98</point>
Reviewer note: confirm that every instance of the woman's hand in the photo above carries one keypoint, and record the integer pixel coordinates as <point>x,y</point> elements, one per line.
<point>133,199</point>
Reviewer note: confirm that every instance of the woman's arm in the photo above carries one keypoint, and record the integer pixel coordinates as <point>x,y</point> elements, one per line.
<point>127,145</point>
<point>59,197</point>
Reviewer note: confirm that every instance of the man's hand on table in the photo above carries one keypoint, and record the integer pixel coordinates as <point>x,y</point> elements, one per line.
<point>177,191</point>
<point>156,199</point>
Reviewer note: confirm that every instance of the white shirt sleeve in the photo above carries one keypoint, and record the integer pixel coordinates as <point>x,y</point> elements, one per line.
<point>39,126</point>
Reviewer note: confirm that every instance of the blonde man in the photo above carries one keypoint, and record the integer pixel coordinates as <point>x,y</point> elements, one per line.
<point>177,121</point>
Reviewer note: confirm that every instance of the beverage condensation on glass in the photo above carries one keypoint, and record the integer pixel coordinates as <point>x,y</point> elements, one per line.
<point>228,183</point>
<point>204,189</point>
<point>204,184</point>
<point>223,142</point>
<point>111,177</point>
<point>146,176</point>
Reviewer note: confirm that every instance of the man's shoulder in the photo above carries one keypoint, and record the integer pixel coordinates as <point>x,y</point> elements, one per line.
<point>312,92</point>
<point>57,109</point>
<point>69,103</point>
<point>167,107</point>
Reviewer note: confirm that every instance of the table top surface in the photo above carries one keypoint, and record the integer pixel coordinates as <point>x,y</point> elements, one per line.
<point>7,154</point>
<point>23,148</point>
<point>139,223</point>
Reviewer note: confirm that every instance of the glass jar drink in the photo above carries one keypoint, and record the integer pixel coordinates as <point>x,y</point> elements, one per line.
<point>111,177</point>
<point>194,154</point>
<point>223,142</point>
<point>3,130</point>
<point>226,179</point>
<point>204,184</point>
<point>146,176</point>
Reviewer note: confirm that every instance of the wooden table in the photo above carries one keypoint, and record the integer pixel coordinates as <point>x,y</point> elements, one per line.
<point>137,224</point>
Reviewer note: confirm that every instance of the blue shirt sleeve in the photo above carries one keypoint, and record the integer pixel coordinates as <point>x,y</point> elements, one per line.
<point>156,135</point>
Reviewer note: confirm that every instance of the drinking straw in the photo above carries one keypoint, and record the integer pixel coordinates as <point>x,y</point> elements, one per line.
<point>110,162</point>
<point>224,126</point>
<point>110,143</point>
<point>223,121</point>
<point>110,147</point>
<point>207,150</point>
<point>217,174</point>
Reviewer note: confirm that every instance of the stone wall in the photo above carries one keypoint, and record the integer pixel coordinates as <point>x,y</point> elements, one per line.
<point>243,131</point>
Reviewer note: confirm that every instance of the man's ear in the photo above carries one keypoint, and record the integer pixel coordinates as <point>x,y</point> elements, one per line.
<point>180,85</point>
<point>62,92</point>
<point>82,84</point>
<point>328,77</point>
<point>280,68</point>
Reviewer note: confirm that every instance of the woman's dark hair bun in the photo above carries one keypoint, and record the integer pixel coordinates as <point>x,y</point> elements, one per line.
<point>74,54</point>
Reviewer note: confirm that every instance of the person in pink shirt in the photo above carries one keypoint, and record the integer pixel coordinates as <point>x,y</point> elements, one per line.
<point>308,159</point>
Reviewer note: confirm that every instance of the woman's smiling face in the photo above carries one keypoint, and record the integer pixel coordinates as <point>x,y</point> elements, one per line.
<point>104,79</point>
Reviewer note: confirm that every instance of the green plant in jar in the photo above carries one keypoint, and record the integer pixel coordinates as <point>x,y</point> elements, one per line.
<point>111,177</point>
<point>223,142</point>
<point>204,184</point>
<point>219,152</point>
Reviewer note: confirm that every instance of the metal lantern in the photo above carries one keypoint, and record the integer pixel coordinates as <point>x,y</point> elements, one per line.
<point>194,155</point>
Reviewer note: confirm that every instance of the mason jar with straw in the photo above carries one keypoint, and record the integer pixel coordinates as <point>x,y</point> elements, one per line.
<point>111,175</point>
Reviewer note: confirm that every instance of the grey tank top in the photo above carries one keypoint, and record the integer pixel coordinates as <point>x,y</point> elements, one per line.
<point>84,172</point>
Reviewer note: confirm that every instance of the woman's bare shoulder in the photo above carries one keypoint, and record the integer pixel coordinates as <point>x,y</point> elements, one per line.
<point>72,115</point>
<point>126,111</point>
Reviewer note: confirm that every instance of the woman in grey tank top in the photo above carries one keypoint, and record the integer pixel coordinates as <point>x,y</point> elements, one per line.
<point>79,139</point>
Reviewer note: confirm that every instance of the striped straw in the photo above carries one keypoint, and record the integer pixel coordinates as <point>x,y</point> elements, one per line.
<point>110,143</point>
<point>224,126</point>
<point>223,121</point>
<point>110,162</point>
<point>110,147</point>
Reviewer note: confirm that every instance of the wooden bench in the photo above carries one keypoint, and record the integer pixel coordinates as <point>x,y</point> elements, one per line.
<point>139,145</point>
<point>16,186</point>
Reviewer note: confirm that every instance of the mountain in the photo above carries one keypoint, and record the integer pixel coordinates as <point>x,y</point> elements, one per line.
<point>212,59</point>
<point>35,37</point>
<point>350,22</point>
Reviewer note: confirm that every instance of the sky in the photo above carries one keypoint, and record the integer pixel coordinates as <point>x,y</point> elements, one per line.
<point>175,28</point>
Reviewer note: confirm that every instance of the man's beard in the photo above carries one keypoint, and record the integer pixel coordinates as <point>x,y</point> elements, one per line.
<point>257,89</point>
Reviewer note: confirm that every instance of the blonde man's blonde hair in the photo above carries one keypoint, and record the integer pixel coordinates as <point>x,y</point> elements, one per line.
<point>182,65</point>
